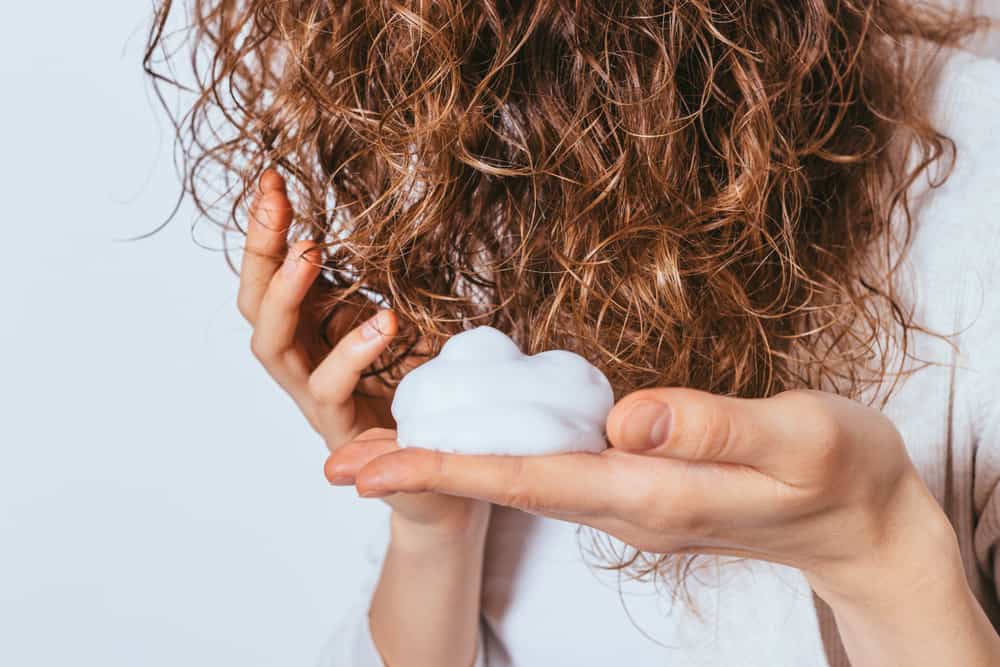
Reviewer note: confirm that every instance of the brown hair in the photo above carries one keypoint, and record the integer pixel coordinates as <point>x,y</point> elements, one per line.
<point>685,192</point>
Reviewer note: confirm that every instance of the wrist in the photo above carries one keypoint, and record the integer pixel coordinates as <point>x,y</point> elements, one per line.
<point>908,602</point>
<point>914,551</point>
<point>462,531</point>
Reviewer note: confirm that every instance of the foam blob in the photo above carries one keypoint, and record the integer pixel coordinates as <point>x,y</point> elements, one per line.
<point>481,395</point>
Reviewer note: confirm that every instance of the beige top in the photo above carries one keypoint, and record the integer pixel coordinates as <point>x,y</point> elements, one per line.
<point>542,605</point>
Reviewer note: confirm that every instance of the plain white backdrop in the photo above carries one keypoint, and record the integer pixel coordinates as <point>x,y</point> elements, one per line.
<point>161,500</point>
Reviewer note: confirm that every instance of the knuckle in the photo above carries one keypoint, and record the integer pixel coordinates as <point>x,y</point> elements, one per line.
<point>261,350</point>
<point>689,520</point>
<point>527,501</point>
<point>828,457</point>
<point>692,520</point>
<point>436,472</point>
<point>813,405</point>
<point>318,387</point>
<point>255,251</point>
<point>246,306</point>
<point>712,434</point>
<point>269,211</point>
<point>823,429</point>
<point>678,513</point>
<point>516,493</point>
<point>826,430</point>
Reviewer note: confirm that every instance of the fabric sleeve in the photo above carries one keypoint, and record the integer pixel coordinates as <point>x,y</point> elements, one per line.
<point>350,643</point>
<point>985,406</point>
<point>986,538</point>
<point>961,228</point>
<point>978,270</point>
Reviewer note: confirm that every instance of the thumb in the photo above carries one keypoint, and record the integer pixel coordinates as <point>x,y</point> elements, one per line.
<point>765,433</point>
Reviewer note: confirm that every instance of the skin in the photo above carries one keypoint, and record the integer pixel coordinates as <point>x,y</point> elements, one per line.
<point>804,478</point>
<point>425,607</point>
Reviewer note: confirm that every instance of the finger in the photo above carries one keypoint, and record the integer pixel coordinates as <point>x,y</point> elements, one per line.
<point>333,382</point>
<point>578,483</point>
<point>347,315</point>
<point>266,242</point>
<point>274,340</point>
<point>774,435</point>
<point>343,464</point>
<point>671,495</point>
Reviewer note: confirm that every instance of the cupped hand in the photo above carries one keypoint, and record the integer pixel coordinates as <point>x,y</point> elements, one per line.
<point>805,478</point>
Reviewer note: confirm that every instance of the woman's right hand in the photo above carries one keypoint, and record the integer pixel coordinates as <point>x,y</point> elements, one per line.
<point>276,283</point>
<point>425,607</point>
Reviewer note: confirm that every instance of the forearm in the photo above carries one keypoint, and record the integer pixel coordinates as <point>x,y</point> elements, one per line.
<point>912,604</point>
<point>425,608</point>
<point>943,625</point>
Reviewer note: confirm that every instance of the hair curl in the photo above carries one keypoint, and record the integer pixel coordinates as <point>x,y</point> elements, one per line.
<point>688,192</point>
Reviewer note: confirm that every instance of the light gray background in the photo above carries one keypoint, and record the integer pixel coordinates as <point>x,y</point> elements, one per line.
<point>161,501</point>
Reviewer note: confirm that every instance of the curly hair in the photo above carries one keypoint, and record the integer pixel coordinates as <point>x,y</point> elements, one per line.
<point>690,192</point>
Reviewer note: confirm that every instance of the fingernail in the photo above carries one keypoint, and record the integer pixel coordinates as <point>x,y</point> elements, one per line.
<point>372,493</point>
<point>341,480</point>
<point>372,328</point>
<point>650,422</point>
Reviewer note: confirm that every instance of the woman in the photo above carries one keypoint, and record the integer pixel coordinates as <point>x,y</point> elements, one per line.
<point>750,216</point>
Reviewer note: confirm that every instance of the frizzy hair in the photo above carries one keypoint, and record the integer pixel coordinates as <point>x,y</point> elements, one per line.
<point>694,193</point>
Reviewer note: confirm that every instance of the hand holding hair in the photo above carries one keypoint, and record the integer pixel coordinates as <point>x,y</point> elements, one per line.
<point>327,385</point>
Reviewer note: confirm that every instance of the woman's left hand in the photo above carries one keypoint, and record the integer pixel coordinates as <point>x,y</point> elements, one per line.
<point>805,478</point>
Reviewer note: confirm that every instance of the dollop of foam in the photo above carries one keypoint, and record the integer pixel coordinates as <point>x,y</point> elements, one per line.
<point>481,395</point>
